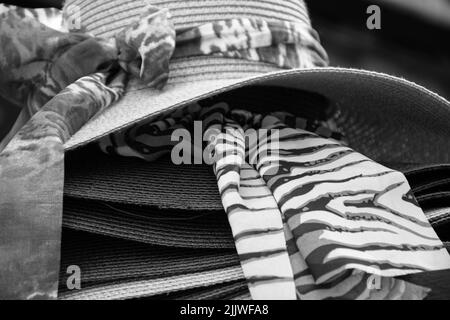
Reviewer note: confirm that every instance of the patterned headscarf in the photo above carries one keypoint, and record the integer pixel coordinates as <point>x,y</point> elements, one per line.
<point>311,217</point>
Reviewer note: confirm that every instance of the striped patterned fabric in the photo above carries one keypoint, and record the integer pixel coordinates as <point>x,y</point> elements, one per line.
<point>351,285</point>
<point>350,224</point>
<point>254,219</point>
<point>260,243</point>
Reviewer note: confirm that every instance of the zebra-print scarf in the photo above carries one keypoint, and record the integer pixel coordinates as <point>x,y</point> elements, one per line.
<point>60,80</point>
<point>311,218</point>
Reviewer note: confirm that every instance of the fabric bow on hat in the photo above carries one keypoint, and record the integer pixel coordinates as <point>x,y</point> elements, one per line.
<point>60,82</point>
<point>38,62</point>
<point>312,219</point>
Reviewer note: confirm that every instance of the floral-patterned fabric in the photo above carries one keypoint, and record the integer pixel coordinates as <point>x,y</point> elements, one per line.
<point>311,218</point>
<point>61,80</point>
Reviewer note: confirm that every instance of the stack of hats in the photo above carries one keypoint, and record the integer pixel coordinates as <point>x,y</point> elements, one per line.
<point>155,229</point>
<point>149,230</point>
<point>140,229</point>
<point>158,230</point>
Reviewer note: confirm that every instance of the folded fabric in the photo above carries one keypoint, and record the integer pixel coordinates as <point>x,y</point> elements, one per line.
<point>347,217</point>
<point>103,259</point>
<point>60,80</point>
<point>140,170</point>
<point>152,287</point>
<point>91,174</point>
<point>31,191</point>
<point>339,235</point>
<point>158,227</point>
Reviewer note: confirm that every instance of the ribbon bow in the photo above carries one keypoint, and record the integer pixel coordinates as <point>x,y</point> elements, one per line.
<point>60,80</point>
<point>37,62</point>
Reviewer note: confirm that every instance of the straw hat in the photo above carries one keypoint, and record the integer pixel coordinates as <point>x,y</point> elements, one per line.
<point>128,198</point>
<point>166,228</point>
<point>152,287</point>
<point>384,117</point>
<point>106,260</point>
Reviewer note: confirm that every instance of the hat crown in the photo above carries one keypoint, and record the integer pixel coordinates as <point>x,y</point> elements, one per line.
<point>106,17</point>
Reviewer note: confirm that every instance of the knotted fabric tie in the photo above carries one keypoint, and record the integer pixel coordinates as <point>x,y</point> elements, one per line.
<point>348,224</point>
<point>61,80</point>
<point>36,63</point>
<point>344,216</point>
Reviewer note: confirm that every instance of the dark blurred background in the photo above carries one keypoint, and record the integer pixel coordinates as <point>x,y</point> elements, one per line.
<point>412,42</point>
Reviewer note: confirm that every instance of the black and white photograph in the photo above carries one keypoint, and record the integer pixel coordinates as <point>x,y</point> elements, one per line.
<point>226,155</point>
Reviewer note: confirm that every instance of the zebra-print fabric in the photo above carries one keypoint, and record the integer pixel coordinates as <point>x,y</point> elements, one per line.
<point>350,224</point>
<point>346,217</point>
<point>41,63</point>
<point>260,242</point>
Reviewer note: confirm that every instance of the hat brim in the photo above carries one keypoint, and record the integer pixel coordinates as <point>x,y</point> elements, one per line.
<point>153,287</point>
<point>367,95</point>
<point>91,174</point>
<point>146,225</point>
<point>107,259</point>
<point>190,191</point>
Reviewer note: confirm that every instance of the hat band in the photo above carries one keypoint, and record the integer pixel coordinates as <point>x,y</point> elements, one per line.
<point>282,43</point>
<point>145,46</point>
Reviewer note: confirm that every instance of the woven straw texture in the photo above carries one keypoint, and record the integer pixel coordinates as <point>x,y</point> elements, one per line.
<point>104,18</point>
<point>245,296</point>
<point>91,174</point>
<point>218,292</point>
<point>207,230</point>
<point>146,288</point>
<point>105,259</point>
<point>185,199</point>
<point>385,118</point>
<point>439,216</point>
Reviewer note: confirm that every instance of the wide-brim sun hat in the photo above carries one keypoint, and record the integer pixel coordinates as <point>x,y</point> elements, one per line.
<point>143,224</point>
<point>385,117</point>
<point>113,265</point>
